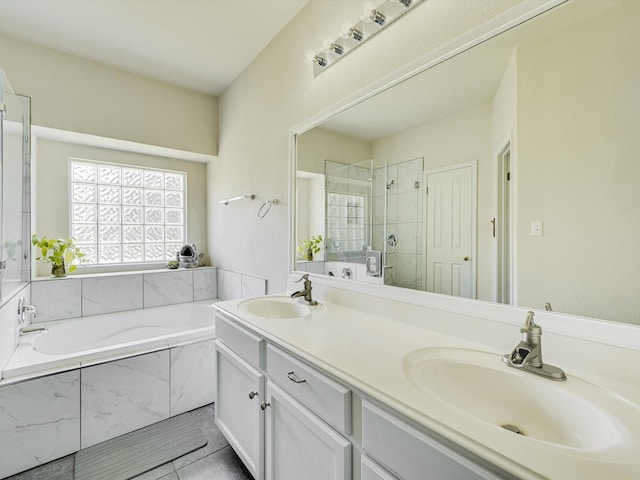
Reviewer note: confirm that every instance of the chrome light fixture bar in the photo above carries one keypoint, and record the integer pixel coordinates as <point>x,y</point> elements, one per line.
<point>352,37</point>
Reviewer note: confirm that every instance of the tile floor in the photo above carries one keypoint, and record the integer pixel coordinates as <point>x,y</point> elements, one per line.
<point>215,461</point>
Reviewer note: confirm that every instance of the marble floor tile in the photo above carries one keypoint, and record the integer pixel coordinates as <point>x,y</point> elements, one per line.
<point>61,469</point>
<point>222,465</point>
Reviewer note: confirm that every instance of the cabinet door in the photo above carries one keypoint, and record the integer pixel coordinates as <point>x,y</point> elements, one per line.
<point>300,445</point>
<point>371,471</point>
<point>238,413</point>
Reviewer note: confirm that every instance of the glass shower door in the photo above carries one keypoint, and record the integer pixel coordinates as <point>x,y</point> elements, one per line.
<point>14,191</point>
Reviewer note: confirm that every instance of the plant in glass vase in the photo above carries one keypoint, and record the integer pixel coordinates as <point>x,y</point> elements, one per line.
<point>308,247</point>
<point>58,252</point>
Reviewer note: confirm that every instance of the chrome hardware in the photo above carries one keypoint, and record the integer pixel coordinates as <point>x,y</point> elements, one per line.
<point>528,353</point>
<point>24,310</point>
<point>264,405</point>
<point>346,273</point>
<point>34,329</point>
<point>547,307</point>
<point>292,376</point>
<point>306,292</point>
<point>392,241</point>
<point>253,394</point>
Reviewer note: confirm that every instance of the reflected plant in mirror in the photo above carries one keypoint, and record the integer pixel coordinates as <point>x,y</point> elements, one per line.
<point>523,186</point>
<point>309,247</point>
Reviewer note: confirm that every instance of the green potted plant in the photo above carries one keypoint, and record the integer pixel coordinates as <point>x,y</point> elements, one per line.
<point>308,247</point>
<point>58,251</point>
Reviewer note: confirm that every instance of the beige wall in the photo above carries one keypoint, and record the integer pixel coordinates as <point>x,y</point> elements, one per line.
<point>51,199</point>
<point>70,93</point>
<point>579,167</point>
<point>278,90</point>
<point>318,144</point>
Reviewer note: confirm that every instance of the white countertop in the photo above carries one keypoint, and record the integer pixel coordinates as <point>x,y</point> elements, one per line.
<point>366,351</point>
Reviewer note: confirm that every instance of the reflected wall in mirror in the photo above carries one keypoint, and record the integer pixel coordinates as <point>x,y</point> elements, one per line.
<point>527,189</point>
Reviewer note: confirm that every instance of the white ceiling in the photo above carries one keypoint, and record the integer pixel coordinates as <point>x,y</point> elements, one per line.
<point>198,44</point>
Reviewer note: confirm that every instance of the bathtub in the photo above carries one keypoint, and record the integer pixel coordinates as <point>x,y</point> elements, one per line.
<point>85,341</point>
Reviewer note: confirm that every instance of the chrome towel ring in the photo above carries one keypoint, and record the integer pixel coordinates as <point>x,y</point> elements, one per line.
<point>265,207</point>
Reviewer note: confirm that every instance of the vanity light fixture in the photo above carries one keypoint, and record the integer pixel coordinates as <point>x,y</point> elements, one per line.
<point>377,17</point>
<point>319,60</point>
<point>353,36</point>
<point>356,34</point>
<point>336,48</point>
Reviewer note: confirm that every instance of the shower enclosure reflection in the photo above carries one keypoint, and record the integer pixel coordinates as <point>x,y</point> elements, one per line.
<point>15,191</point>
<point>369,207</point>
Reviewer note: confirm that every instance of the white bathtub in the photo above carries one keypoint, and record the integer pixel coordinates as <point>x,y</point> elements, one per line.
<point>86,341</point>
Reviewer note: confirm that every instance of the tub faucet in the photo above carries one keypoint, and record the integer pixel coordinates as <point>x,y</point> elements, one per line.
<point>306,292</point>
<point>33,329</point>
<point>24,310</point>
<point>528,353</point>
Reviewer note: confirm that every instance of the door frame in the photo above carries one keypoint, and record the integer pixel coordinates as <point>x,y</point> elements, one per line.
<point>473,164</point>
<point>507,144</point>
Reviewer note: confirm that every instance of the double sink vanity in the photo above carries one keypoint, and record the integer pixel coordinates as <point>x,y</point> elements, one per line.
<point>364,387</point>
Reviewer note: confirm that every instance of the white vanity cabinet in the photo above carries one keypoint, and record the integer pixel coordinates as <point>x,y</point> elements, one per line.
<point>241,388</point>
<point>303,406</point>
<point>284,419</point>
<point>411,454</point>
<point>299,444</point>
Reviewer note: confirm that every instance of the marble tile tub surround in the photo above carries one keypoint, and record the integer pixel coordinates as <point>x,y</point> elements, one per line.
<point>43,414</point>
<point>84,295</point>
<point>41,418</point>
<point>9,326</point>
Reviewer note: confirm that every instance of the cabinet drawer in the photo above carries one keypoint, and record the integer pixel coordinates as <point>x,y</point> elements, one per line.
<point>326,398</point>
<point>248,346</point>
<point>413,455</point>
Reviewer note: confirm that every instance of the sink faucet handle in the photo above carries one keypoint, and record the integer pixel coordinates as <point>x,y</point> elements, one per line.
<point>529,325</point>
<point>304,277</point>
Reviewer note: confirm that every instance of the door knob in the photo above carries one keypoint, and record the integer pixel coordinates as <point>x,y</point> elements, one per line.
<point>264,405</point>
<point>466,258</point>
<point>253,394</point>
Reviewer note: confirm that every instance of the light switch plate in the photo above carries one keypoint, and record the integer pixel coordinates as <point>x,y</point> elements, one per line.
<point>536,228</point>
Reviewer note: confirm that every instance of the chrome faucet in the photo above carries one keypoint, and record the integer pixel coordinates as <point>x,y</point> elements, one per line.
<point>528,353</point>
<point>24,310</point>
<point>306,292</point>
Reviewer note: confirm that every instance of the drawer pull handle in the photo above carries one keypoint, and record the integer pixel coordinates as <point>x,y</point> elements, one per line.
<point>253,394</point>
<point>264,405</point>
<point>292,376</point>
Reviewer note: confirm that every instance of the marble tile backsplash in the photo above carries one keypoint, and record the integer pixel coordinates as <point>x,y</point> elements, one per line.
<point>74,297</point>
<point>237,285</point>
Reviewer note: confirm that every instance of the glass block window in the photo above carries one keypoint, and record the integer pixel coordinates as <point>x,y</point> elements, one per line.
<point>124,214</point>
<point>345,222</point>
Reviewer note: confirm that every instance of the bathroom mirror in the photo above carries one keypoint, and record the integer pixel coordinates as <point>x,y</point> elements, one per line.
<point>525,170</point>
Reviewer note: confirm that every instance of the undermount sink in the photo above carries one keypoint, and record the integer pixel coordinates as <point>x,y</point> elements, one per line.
<point>275,307</point>
<point>573,414</point>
